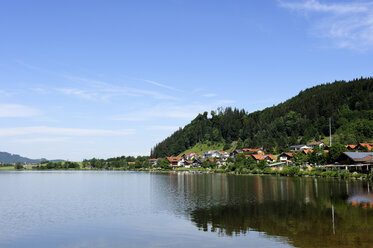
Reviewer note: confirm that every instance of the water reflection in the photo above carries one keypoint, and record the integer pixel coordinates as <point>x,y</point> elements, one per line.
<point>305,212</point>
<point>122,209</point>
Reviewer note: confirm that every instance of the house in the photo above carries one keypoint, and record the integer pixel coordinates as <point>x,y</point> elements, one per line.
<point>234,153</point>
<point>316,143</point>
<point>188,164</point>
<point>175,161</point>
<point>211,154</point>
<point>259,157</point>
<point>349,158</point>
<point>351,147</point>
<point>356,161</point>
<point>285,156</point>
<point>299,148</point>
<point>224,155</point>
<point>197,162</point>
<point>257,151</point>
<point>306,151</point>
<point>190,156</point>
<point>153,161</point>
<point>361,146</point>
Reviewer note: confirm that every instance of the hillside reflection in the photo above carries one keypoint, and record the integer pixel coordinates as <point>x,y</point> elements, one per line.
<point>304,212</point>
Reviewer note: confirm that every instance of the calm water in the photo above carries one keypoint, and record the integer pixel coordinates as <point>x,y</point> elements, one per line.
<point>124,209</point>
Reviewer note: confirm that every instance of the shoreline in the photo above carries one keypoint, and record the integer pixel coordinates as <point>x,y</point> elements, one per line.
<point>305,174</point>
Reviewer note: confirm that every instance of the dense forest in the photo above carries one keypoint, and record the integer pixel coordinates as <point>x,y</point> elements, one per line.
<point>298,120</point>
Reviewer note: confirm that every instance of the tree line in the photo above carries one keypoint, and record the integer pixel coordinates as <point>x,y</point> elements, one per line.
<point>298,120</point>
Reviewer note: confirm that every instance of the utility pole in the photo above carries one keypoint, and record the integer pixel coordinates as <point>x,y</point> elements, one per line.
<point>330,132</point>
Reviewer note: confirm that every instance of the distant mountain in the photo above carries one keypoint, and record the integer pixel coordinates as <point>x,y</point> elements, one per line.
<point>301,119</point>
<point>9,158</point>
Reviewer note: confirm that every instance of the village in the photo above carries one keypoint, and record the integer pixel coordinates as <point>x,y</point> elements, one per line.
<point>357,157</point>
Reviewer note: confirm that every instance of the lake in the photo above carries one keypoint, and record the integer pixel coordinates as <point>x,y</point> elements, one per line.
<point>140,209</point>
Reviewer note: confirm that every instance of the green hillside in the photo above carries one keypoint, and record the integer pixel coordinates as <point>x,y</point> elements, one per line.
<point>202,147</point>
<point>300,119</point>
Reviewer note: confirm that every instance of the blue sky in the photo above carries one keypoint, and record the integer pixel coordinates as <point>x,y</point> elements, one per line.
<point>83,79</point>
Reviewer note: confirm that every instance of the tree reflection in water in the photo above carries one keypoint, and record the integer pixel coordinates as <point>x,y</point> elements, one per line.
<point>301,211</point>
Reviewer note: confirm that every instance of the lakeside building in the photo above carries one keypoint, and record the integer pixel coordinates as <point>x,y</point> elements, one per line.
<point>355,161</point>
<point>175,161</point>
<point>316,143</point>
<point>221,158</point>
<point>363,146</point>
<point>351,147</point>
<point>257,151</point>
<point>190,156</point>
<point>153,161</point>
<point>211,154</point>
<point>300,147</point>
<point>259,157</point>
<point>350,158</point>
<point>286,156</point>
<point>234,153</point>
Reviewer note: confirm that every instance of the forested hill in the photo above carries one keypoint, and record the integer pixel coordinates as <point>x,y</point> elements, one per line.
<point>14,158</point>
<point>298,120</point>
<point>8,158</point>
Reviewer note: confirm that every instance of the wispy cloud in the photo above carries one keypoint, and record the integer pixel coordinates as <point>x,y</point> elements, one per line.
<point>182,111</point>
<point>97,89</point>
<point>348,24</point>
<point>42,140</point>
<point>93,89</point>
<point>185,112</point>
<point>161,85</point>
<point>78,93</point>
<point>314,5</point>
<point>41,91</point>
<point>45,130</point>
<point>5,93</point>
<point>16,110</point>
<point>29,66</point>
<point>209,95</point>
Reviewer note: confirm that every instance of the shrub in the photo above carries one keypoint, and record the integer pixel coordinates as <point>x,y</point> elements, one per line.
<point>290,170</point>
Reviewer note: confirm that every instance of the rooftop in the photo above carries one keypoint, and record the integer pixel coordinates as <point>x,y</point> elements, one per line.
<point>358,155</point>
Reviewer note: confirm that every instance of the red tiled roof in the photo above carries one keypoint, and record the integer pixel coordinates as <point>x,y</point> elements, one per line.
<point>174,159</point>
<point>270,156</point>
<point>315,143</point>
<point>252,150</point>
<point>368,145</point>
<point>189,154</point>
<point>262,157</point>
<point>307,151</point>
<point>351,146</point>
<point>288,154</point>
